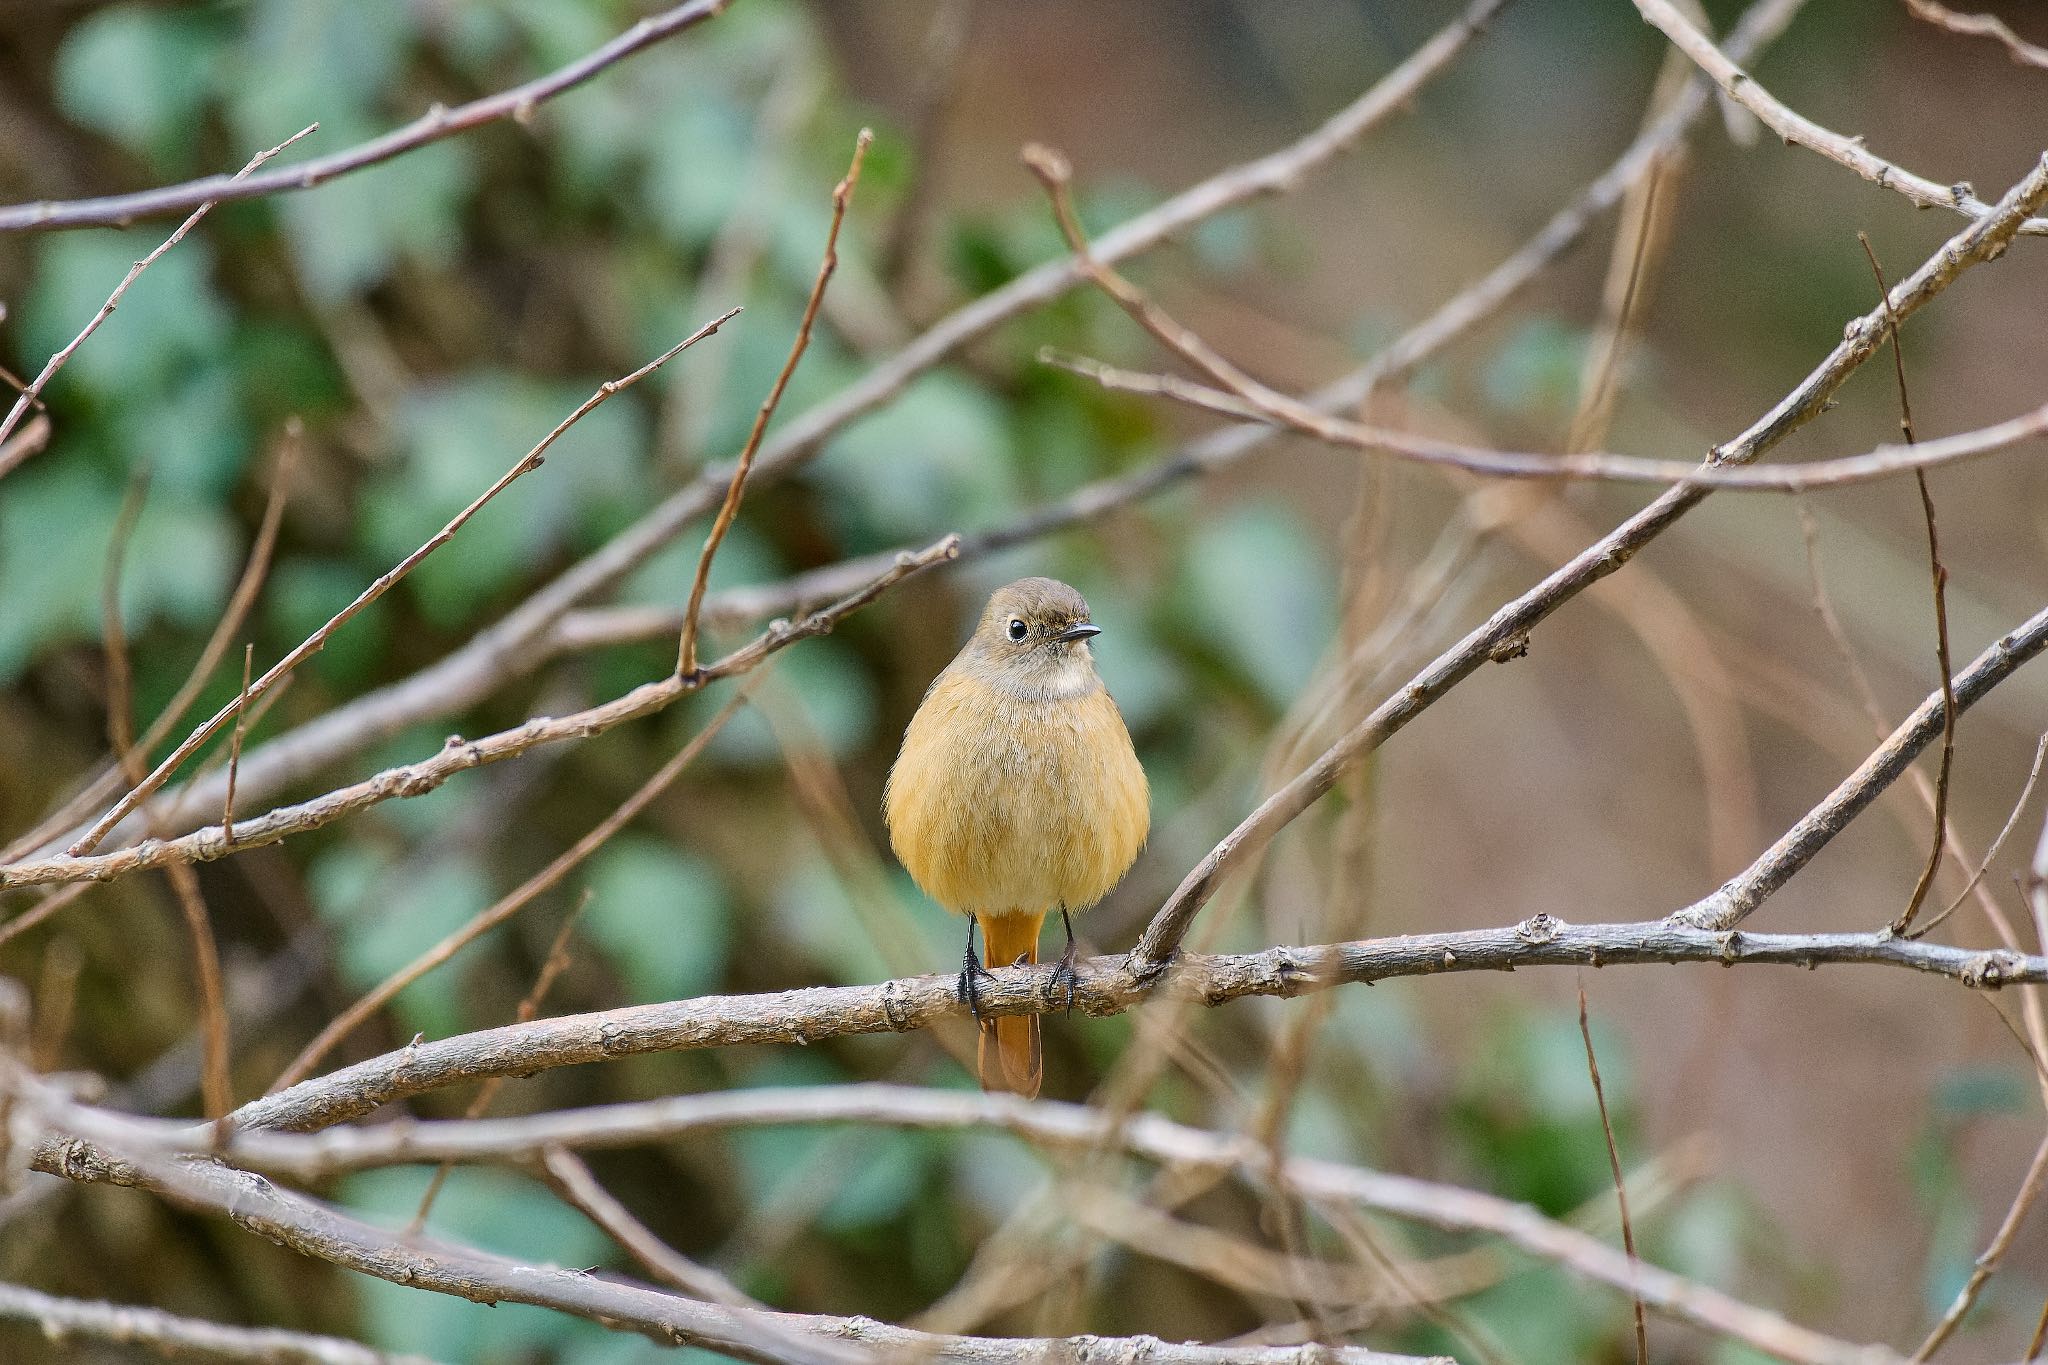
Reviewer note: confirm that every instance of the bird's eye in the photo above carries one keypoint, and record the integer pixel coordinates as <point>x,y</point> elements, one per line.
<point>1016,629</point>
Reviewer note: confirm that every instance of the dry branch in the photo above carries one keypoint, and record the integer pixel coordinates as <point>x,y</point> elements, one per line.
<point>1794,127</point>
<point>438,122</point>
<point>1983,240</point>
<point>63,1320</point>
<point>32,393</point>
<point>458,755</point>
<point>508,649</point>
<point>1060,1126</point>
<point>1108,986</point>
<point>1742,894</point>
<point>319,1230</point>
<point>314,643</point>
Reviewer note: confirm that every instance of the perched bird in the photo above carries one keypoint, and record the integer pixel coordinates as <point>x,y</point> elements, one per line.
<point>1017,793</point>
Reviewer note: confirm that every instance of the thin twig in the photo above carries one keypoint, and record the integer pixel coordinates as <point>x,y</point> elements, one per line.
<point>62,1320</point>
<point>1793,127</point>
<point>114,629</point>
<point>489,918</point>
<point>1990,26</point>
<point>2012,820</point>
<point>573,1180</point>
<point>1628,1231</point>
<point>31,440</point>
<point>313,643</point>
<point>227,813</point>
<point>686,652</point>
<point>553,965</point>
<point>1304,417</point>
<point>1741,894</point>
<point>213,1008</point>
<point>459,754</point>
<point>1981,241</point>
<point>109,783</point>
<point>1986,1264</point>
<point>1938,572</point>
<point>517,103</point>
<point>223,187</point>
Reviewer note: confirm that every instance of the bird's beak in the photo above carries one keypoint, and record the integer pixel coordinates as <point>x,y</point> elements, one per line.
<point>1078,632</point>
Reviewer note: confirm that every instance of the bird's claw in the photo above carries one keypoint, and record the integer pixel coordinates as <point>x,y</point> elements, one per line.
<point>1065,980</point>
<point>967,988</point>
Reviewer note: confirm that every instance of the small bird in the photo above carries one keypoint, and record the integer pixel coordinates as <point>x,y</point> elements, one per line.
<point>1017,792</point>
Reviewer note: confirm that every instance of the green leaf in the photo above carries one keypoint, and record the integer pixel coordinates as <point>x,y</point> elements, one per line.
<point>351,233</point>
<point>500,1213</point>
<point>662,916</point>
<point>169,318</point>
<point>1261,593</point>
<point>141,76</point>
<point>458,438</point>
<point>938,457</point>
<point>388,913</point>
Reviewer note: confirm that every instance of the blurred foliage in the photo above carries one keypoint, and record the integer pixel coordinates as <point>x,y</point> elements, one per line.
<point>432,318</point>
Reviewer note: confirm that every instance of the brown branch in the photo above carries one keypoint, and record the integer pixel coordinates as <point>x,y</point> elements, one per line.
<point>552,966</point>
<point>1990,26</point>
<point>842,194</point>
<point>30,441</point>
<point>227,809</point>
<point>312,644</point>
<point>1793,127</point>
<point>1628,1230</point>
<point>458,755</point>
<point>62,1320</point>
<point>223,185</point>
<point>489,918</point>
<point>573,1181</point>
<point>114,630</point>
<point>2012,820</point>
<point>517,103</point>
<point>508,649</point>
<point>1981,241</point>
<point>213,1010</point>
<point>1060,1126</point>
<point>1939,575</point>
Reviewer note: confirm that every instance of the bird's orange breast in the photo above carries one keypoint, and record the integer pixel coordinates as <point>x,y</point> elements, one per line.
<point>1000,804</point>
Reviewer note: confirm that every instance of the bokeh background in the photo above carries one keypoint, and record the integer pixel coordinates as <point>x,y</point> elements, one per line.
<point>1842,1142</point>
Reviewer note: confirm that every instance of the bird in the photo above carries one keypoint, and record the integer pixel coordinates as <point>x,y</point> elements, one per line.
<point>1017,792</point>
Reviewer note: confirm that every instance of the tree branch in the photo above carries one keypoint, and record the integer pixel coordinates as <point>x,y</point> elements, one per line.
<point>1064,1127</point>
<point>508,649</point>
<point>417,779</point>
<point>1794,127</point>
<point>1982,240</point>
<point>438,122</point>
<point>166,1334</point>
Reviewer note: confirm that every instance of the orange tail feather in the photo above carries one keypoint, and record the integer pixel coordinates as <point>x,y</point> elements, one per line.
<point>1010,1056</point>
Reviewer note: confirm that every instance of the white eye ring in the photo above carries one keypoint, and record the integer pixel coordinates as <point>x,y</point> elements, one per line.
<point>1017,628</point>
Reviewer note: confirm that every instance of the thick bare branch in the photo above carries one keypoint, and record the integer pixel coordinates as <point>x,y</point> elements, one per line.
<point>1107,987</point>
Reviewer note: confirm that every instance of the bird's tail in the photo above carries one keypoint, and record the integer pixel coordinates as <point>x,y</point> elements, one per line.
<point>1009,1056</point>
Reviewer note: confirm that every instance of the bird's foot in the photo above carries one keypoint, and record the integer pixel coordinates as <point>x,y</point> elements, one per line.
<point>968,988</point>
<point>1066,979</point>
